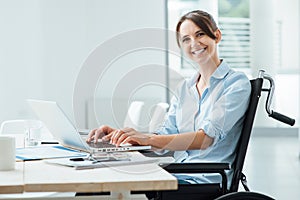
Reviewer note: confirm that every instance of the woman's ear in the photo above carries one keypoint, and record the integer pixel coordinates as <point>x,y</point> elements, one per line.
<point>218,35</point>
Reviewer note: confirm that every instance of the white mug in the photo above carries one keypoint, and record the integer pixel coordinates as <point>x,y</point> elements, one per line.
<point>7,153</point>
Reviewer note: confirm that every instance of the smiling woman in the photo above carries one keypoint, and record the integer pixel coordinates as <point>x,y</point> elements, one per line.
<point>205,117</point>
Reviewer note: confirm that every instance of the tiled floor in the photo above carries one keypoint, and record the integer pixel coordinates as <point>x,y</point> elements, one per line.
<point>272,166</point>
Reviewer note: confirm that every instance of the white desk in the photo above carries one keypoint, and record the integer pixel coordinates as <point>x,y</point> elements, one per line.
<point>43,177</point>
<point>12,181</point>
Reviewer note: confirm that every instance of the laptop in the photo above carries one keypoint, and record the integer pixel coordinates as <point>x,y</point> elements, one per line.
<point>65,132</point>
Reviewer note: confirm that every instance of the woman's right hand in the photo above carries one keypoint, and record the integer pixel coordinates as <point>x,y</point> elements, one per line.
<point>98,133</point>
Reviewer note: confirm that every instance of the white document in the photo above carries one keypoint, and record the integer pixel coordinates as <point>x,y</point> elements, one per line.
<point>44,152</point>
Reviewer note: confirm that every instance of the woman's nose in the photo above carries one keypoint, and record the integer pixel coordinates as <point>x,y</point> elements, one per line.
<point>194,42</point>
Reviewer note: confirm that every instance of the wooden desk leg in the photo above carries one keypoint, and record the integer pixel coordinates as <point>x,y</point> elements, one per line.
<point>126,195</point>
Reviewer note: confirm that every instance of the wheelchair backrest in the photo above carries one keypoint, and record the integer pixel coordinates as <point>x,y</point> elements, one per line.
<point>242,145</point>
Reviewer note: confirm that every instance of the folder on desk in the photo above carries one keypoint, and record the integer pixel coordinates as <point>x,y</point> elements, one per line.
<point>46,152</point>
<point>133,159</point>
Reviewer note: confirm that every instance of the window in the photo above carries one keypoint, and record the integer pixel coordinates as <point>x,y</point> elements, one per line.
<point>235,45</point>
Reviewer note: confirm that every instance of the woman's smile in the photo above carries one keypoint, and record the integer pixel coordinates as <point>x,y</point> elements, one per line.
<point>198,52</point>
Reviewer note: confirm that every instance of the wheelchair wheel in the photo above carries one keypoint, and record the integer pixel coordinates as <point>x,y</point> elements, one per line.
<point>244,196</point>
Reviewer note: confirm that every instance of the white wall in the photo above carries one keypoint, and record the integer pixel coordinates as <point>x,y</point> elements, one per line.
<point>288,74</point>
<point>264,16</point>
<point>45,43</point>
<point>20,56</point>
<point>287,11</point>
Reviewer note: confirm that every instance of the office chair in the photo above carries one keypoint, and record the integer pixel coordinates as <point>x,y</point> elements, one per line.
<point>133,115</point>
<point>158,116</point>
<point>216,190</point>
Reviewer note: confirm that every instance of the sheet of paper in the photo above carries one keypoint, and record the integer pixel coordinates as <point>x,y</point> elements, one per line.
<point>43,152</point>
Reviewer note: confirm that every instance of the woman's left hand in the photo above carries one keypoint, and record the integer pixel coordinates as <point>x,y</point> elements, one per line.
<point>127,135</point>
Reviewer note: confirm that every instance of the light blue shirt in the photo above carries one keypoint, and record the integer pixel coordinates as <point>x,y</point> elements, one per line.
<point>219,112</point>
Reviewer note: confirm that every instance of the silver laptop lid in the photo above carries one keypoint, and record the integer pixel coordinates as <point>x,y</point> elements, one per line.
<point>65,132</point>
<point>58,124</point>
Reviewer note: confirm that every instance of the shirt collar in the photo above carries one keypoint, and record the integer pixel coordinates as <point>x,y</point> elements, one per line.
<point>220,73</point>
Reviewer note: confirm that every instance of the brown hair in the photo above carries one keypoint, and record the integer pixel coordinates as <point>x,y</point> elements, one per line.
<point>202,19</point>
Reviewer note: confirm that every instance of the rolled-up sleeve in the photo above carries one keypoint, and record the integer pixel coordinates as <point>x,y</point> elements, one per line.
<point>229,106</point>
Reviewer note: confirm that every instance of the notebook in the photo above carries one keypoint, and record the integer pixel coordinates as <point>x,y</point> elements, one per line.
<point>65,132</point>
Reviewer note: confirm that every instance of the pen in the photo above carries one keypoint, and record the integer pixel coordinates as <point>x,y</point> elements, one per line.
<point>32,159</point>
<point>49,142</point>
<point>76,159</point>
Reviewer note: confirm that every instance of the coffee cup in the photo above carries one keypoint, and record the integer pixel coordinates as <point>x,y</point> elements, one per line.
<point>7,153</point>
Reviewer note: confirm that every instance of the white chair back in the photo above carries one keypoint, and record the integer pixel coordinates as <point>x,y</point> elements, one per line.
<point>133,116</point>
<point>158,116</point>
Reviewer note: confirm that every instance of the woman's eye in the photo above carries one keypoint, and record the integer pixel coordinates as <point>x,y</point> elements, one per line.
<point>184,40</point>
<point>200,34</point>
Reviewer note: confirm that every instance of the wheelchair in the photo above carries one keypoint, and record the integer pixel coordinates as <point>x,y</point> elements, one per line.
<point>219,191</point>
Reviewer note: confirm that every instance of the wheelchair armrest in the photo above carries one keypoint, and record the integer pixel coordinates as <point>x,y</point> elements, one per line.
<point>199,168</point>
<point>195,167</point>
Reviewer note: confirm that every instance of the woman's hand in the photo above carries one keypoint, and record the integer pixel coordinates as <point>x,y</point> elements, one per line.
<point>98,133</point>
<point>127,135</point>
<point>175,142</point>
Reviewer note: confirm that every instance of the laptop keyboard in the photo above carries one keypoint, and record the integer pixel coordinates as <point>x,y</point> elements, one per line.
<point>101,145</point>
